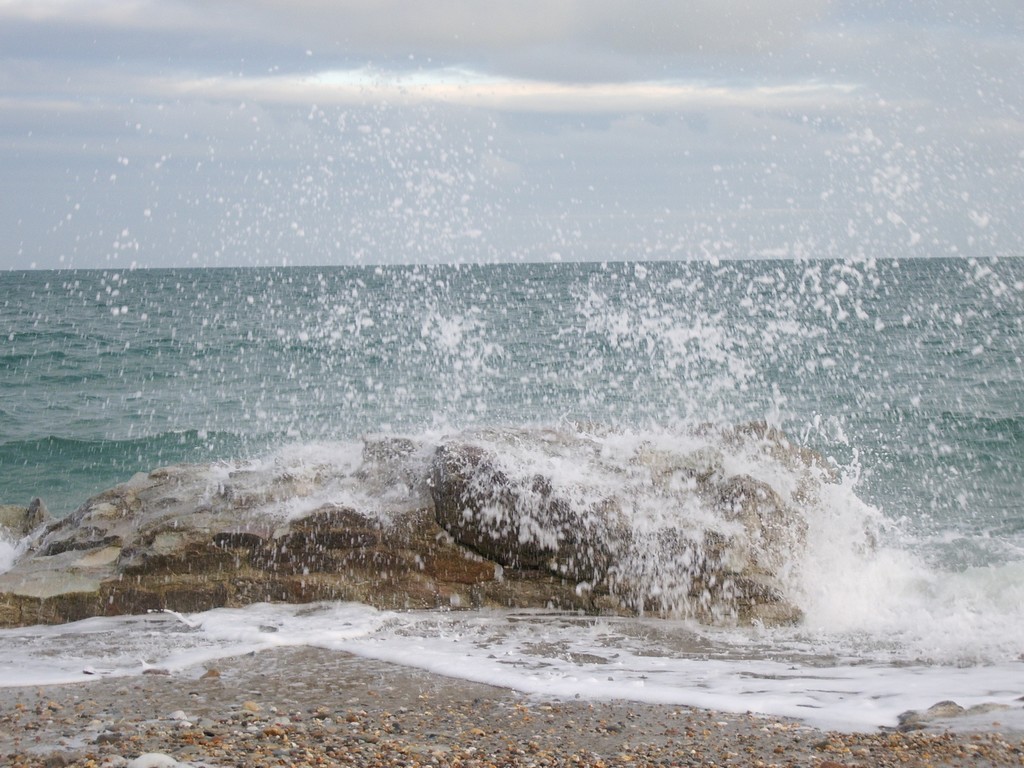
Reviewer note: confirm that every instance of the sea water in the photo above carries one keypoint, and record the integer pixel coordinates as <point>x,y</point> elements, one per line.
<point>905,375</point>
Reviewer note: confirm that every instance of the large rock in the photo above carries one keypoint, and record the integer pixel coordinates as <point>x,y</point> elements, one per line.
<point>594,521</point>
<point>638,526</point>
<point>191,538</point>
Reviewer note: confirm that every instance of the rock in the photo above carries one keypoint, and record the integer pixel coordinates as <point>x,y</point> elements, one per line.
<point>594,521</point>
<point>58,759</point>
<point>772,530</point>
<point>639,528</point>
<point>190,538</point>
<point>17,521</point>
<point>522,520</point>
<point>945,714</point>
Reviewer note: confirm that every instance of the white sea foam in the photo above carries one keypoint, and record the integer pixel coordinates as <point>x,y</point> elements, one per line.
<point>539,653</point>
<point>8,552</point>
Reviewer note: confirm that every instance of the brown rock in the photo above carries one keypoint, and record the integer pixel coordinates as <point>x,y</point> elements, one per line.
<point>482,519</point>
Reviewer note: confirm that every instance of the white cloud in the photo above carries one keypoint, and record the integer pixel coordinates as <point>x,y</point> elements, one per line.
<point>467,89</point>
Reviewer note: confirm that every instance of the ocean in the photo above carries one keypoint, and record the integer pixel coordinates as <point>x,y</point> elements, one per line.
<point>906,375</point>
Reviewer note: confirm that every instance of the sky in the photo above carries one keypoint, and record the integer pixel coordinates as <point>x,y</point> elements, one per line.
<point>159,133</point>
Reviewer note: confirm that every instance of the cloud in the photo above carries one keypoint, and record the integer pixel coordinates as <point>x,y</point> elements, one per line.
<point>135,14</point>
<point>562,124</point>
<point>618,25</point>
<point>512,35</point>
<point>467,89</point>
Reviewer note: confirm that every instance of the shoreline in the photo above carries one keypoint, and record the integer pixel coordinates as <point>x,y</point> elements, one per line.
<point>304,706</point>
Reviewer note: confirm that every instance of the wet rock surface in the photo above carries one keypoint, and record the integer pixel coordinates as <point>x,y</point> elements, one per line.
<point>949,714</point>
<point>16,521</point>
<point>649,530</point>
<point>511,518</point>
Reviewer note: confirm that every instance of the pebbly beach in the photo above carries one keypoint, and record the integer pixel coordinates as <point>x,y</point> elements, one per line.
<point>312,707</point>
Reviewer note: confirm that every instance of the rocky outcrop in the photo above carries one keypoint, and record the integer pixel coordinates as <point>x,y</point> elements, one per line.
<point>642,528</point>
<point>593,521</point>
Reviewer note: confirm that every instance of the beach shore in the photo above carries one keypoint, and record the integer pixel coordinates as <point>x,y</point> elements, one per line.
<point>307,707</point>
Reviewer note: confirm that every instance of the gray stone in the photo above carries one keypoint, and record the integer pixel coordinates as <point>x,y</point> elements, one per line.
<point>17,522</point>
<point>583,520</point>
<point>642,529</point>
<point>948,714</point>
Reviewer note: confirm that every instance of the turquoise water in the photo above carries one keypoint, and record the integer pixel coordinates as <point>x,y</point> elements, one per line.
<point>908,373</point>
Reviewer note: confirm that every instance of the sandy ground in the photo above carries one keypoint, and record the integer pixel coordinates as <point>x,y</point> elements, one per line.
<point>304,707</point>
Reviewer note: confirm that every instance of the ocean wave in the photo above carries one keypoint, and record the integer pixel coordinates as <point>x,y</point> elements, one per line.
<point>74,445</point>
<point>33,356</point>
<point>981,427</point>
<point>65,471</point>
